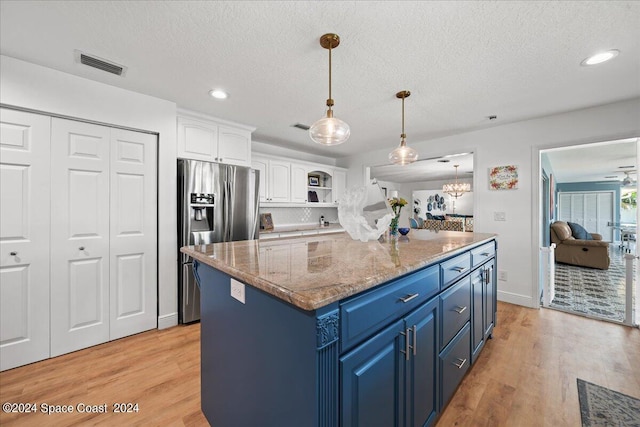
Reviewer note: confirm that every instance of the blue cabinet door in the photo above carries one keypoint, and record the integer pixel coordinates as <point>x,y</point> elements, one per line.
<point>422,375</point>
<point>372,381</point>
<point>489,298</point>
<point>478,317</point>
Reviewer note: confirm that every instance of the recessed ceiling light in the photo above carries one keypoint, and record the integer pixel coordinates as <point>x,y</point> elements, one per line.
<point>601,57</point>
<point>218,94</point>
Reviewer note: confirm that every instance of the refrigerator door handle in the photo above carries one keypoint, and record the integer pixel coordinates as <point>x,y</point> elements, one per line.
<point>185,282</point>
<point>230,188</point>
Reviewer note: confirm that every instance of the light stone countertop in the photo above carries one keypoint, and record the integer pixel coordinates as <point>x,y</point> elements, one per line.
<point>314,271</point>
<point>302,227</point>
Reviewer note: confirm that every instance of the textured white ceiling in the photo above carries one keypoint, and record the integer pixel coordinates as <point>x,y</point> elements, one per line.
<point>594,162</point>
<point>462,60</point>
<point>428,169</point>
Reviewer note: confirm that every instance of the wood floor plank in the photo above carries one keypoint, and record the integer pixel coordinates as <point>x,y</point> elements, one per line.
<point>525,376</point>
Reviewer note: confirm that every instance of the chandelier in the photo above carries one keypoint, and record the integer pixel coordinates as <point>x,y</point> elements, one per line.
<point>456,189</point>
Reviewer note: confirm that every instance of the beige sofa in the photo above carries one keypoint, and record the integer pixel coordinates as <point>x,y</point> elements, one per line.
<point>586,253</point>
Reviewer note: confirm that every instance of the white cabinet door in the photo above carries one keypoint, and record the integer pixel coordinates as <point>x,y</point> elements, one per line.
<point>24,232</point>
<point>298,183</point>
<point>339,185</point>
<point>234,146</point>
<point>262,165</point>
<point>133,241</point>
<point>197,140</point>
<point>279,181</point>
<point>79,235</point>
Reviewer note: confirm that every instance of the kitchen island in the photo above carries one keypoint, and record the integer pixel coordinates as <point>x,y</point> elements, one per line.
<point>328,331</point>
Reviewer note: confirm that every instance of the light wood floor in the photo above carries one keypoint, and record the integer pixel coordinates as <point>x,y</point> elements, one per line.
<point>525,376</point>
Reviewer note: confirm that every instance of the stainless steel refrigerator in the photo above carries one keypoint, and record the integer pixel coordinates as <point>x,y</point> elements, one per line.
<point>216,203</point>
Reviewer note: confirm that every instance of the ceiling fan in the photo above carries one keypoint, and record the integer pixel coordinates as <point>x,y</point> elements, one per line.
<point>627,181</point>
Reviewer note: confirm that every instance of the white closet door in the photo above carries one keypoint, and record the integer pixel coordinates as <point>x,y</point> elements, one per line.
<point>79,235</point>
<point>24,232</point>
<point>605,215</point>
<point>133,218</point>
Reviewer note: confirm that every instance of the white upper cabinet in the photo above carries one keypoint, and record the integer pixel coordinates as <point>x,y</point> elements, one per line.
<point>339,185</point>
<point>298,183</point>
<point>278,176</point>
<point>209,140</point>
<point>197,140</point>
<point>234,146</point>
<point>275,179</point>
<point>293,183</point>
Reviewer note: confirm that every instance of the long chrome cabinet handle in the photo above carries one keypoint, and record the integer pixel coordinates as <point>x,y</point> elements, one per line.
<point>415,340</point>
<point>409,297</point>
<point>461,364</point>
<point>459,269</point>
<point>405,334</point>
<point>485,254</point>
<point>459,309</point>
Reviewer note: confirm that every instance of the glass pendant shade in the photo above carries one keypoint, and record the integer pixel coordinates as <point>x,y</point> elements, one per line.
<point>329,131</point>
<point>403,155</point>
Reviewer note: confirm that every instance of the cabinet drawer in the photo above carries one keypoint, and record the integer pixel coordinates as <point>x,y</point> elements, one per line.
<point>483,253</point>
<point>454,363</point>
<point>455,268</point>
<point>455,306</point>
<point>368,313</point>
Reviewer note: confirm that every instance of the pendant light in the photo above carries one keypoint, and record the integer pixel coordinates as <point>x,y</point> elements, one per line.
<point>456,189</point>
<point>329,130</point>
<point>403,155</point>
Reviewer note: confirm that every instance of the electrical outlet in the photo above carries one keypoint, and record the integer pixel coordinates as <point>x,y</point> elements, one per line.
<point>237,290</point>
<point>502,275</point>
<point>499,216</point>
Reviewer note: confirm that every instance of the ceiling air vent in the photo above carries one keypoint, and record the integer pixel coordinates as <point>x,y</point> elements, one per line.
<point>100,64</point>
<point>301,126</point>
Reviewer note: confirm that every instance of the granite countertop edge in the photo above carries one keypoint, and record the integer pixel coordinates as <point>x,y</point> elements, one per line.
<point>314,299</point>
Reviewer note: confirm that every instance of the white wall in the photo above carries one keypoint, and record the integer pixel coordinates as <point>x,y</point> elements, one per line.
<point>31,86</point>
<point>517,144</point>
<point>274,150</point>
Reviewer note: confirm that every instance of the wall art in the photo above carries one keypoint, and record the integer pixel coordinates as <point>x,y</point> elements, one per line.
<point>503,177</point>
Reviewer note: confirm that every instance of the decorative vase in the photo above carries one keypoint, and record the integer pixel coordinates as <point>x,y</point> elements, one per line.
<point>393,227</point>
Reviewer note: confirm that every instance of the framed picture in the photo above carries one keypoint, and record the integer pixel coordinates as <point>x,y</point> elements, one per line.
<point>314,180</point>
<point>266,222</point>
<point>503,177</point>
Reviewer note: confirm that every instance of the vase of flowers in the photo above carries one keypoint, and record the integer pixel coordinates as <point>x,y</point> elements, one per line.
<point>396,204</point>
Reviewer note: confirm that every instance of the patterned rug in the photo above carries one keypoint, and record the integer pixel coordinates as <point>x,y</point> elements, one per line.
<point>592,292</point>
<point>600,406</point>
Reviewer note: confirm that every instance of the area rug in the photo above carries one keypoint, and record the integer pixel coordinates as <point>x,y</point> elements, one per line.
<point>592,292</point>
<point>600,406</point>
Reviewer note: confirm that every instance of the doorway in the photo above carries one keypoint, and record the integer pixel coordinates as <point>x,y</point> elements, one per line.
<point>582,186</point>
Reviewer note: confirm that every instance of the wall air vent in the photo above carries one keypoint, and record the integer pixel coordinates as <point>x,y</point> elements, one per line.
<point>301,126</point>
<point>100,63</point>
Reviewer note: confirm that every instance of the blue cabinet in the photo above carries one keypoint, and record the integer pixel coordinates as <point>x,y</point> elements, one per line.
<point>390,356</point>
<point>483,291</point>
<point>391,379</point>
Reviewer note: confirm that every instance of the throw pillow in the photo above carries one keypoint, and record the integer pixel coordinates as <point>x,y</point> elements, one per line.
<point>579,232</point>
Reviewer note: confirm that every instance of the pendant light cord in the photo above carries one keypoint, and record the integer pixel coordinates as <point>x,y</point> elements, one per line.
<point>329,101</point>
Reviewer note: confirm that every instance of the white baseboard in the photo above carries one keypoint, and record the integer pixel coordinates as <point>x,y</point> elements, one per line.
<point>517,299</point>
<point>168,320</point>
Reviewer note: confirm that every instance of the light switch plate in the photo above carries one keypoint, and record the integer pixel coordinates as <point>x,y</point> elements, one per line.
<point>499,216</point>
<point>502,275</point>
<point>237,290</point>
